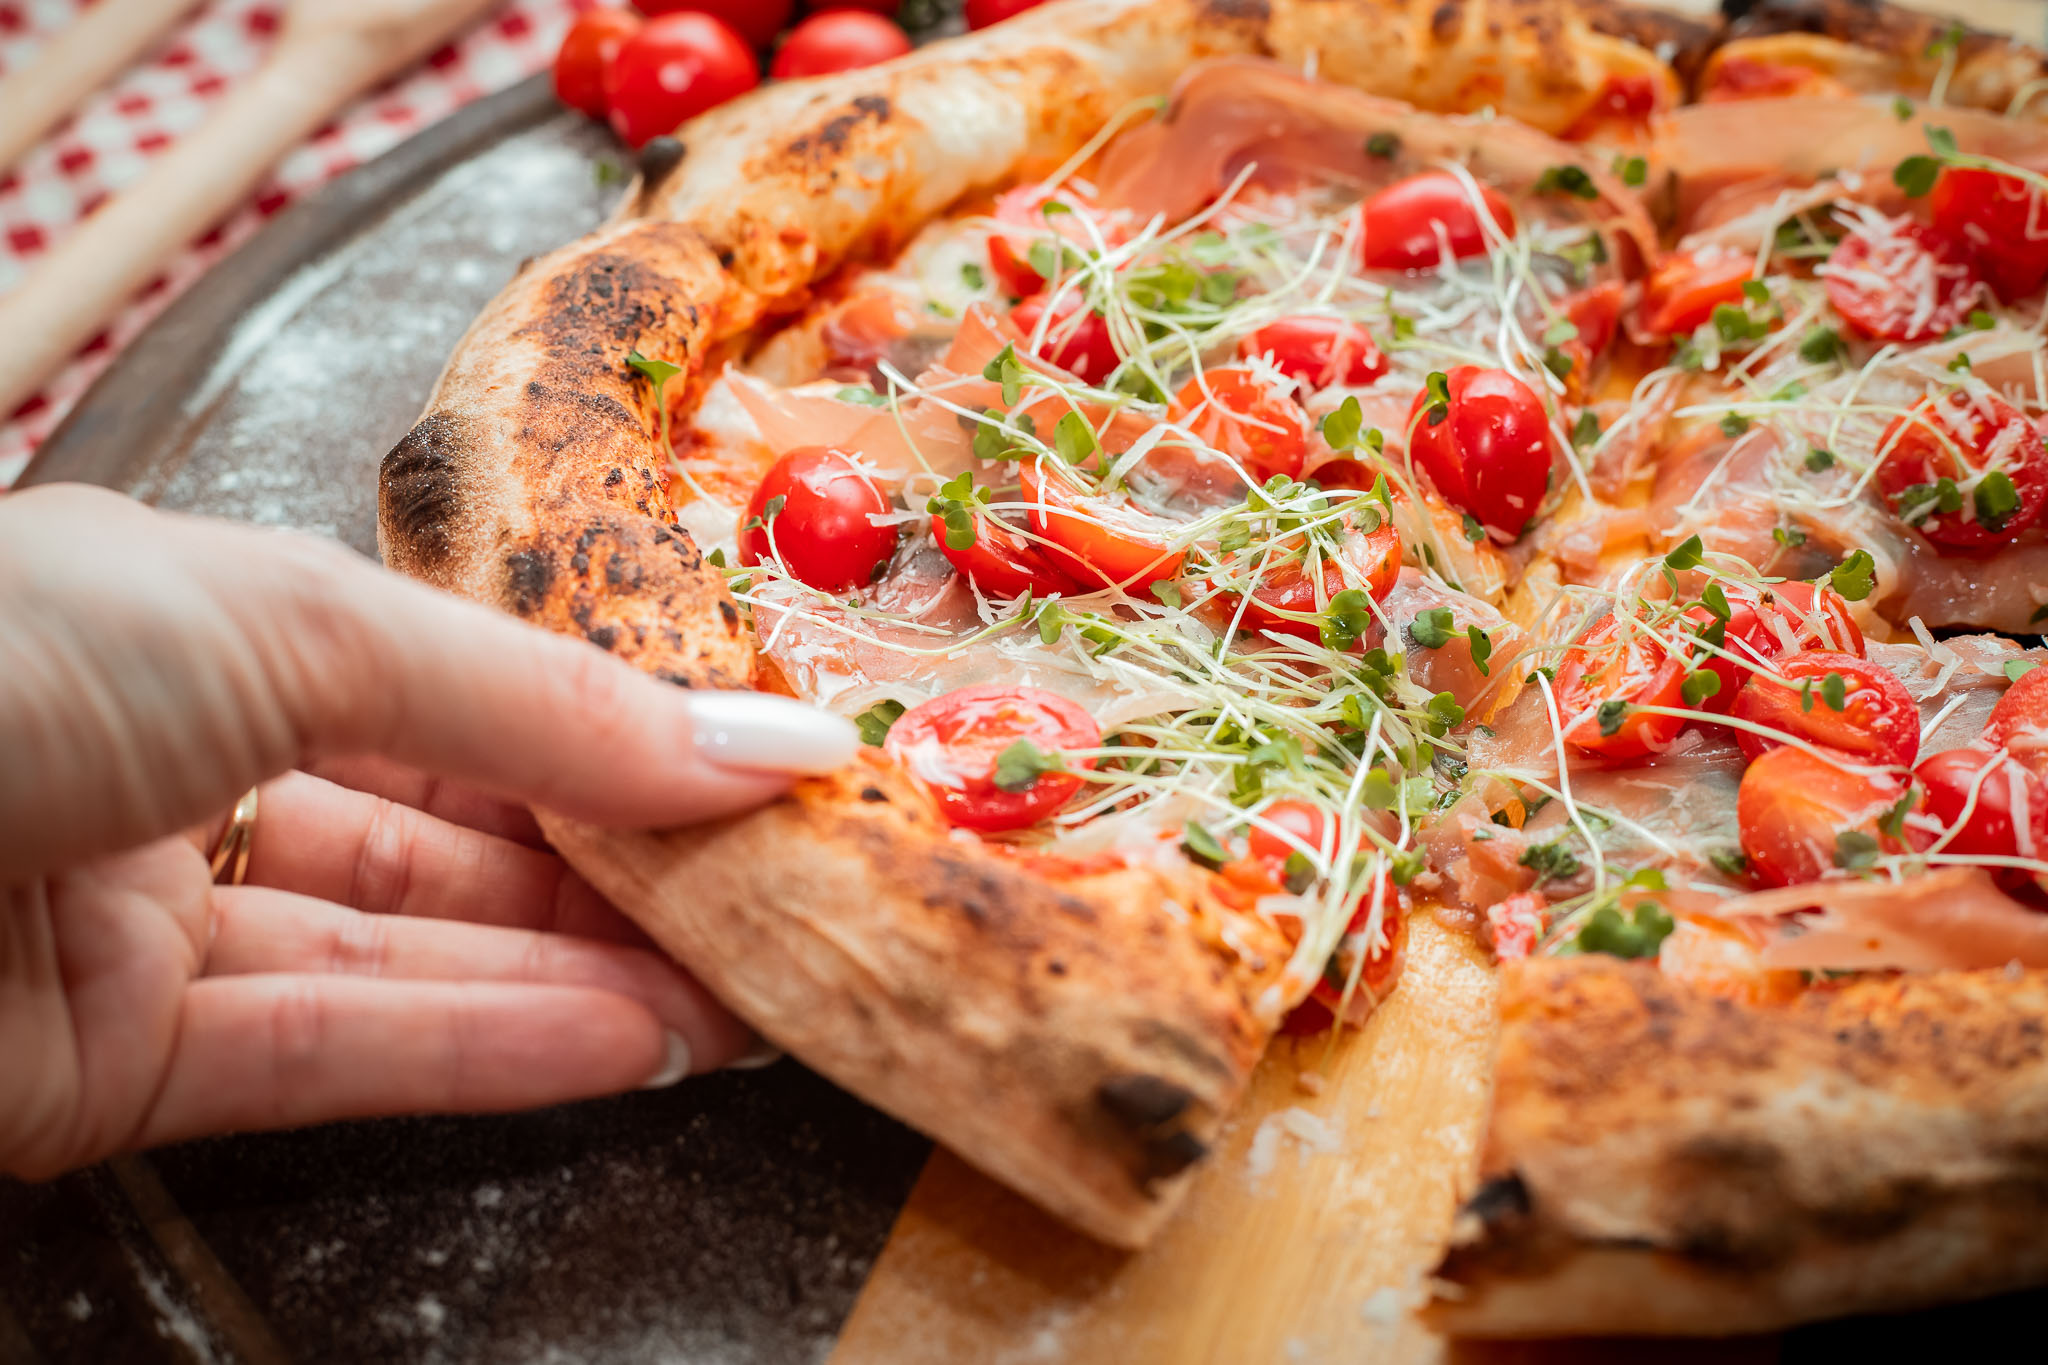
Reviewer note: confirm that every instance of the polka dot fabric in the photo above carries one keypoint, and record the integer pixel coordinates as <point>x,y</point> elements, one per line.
<point>110,139</point>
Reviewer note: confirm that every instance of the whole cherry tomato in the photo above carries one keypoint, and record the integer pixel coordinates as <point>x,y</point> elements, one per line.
<point>837,40</point>
<point>1878,722</point>
<point>1077,339</point>
<point>1302,819</point>
<point>982,13</point>
<point>1287,599</point>
<point>1685,289</point>
<point>1962,437</point>
<point>2002,218</point>
<point>757,21</point>
<point>1614,669</point>
<point>672,70</point>
<point>588,48</point>
<point>1912,283</point>
<point>1245,418</point>
<point>2019,722</point>
<point>955,745</point>
<point>1947,781</point>
<point>814,510</point>
<point>1106,543</point>
<point>1003,563</point>
<point>1317,351</point>
<point>1793,811</point>
<point>1487,450</point>
<point>1401,222</point>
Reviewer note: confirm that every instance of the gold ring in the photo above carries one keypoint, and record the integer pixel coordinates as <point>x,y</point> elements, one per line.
<point>230,860</point>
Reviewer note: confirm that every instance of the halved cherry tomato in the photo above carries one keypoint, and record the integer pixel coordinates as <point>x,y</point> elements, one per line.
<point>1879,723</point>
<point>1595,311</point>
<point>952,744</point>
<point>1003,563</point>
<point>1793,809</point>
<point>1106,544</point>
<point>673,69</point>
<point>1238,414</point>
<point>1946,781</point>
<point>591,43</point>
<point>2019,722</point>
<point>757,21</point>
<point>1631,666</point>
<point>1745,78</point>
<point>1022,219</point>
<point>1285,594</point>
<point>837,40</point>
<point>1765,624</point>
<point>1317,351</point>
<point>2000,217</point>
<point>1685,289</point>
<point>1623,105</point>
<point>1077,339</point>
<point>1911,283</point>
<point>1489,454</point>
<point>1318,1013</point>
<point>982,13</point>
<point>1400,223</point>
<point>1304,820</point>
<point>1958,436</point>
<point>822,529</point>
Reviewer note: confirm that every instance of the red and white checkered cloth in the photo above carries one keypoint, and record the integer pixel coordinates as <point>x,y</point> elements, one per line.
<point>110,140</point>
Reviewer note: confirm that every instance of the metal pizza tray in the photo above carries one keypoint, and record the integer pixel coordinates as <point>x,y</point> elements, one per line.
<point>731,1219</point>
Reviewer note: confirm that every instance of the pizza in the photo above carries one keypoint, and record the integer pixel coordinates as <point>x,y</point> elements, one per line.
<point>1258,473</point>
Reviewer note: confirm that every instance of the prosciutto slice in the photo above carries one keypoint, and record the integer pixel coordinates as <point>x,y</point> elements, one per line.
<point>1952,919</point>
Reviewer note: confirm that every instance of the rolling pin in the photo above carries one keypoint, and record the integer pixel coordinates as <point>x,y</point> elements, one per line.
<point>78,61</point>
<point>328,52</point>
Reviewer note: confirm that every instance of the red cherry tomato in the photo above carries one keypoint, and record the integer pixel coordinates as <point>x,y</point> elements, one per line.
<point>1595,311</point>
<point>1003,563</point>
<point>1910,284</point>
<point>1989,831</point>
<point>1766,624</point>
<point>953,744</point>
<point>1305,821</point>
<point>1106,544</point>
<point>672,70</point>
<point>2019,723</point>
<point>2002,219</point>
<point>1623,105</point>
<point>982,13</point>
<point>1793,809</point>
<point>1077,339</point>
<point>822,531</point>
<point>757,21</point>
<point>1685,289</point>
<point>837,40</point>
<point>1022,220</point>
<point>1958,436</point>
<point>588,48</point>
<point>1631,665</point>
<point>1400,223</point>
<point>1879,723</point>
<point>1286,594</point>
<point>1259,427</point>
<point>1490,453</point>
<point>1317,352</point>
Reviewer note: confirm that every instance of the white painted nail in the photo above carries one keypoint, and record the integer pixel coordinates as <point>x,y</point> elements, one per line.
<point>675,1064</point>
<point>762,732</point>
<point>762,1053</point>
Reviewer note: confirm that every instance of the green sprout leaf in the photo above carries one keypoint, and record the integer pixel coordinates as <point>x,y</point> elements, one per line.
<point>1690,554</point>
<point>1019,767</point>
<point>1821,345</point>
<point>1341,427</point>
<point>1996,499</point>
<point>1570,180</point>
<point>1383,145</point>
<point>1482,649</point>
<point>874,722</point>
<point>1818,460</point>
<point>1347,619</point>
<point>1856,849</point>
<point>1432,628</point>
<point>1638,936</point>
<point>1854,577</point>
<point>1610,715</point>
<point>1631,170</point>
<point>1699,685</point>
<point>1552,860</point>
<point>1202,846</point>
<point>1008,371</point>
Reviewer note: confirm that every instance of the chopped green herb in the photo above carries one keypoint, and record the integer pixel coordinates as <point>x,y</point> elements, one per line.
<point>1571,180</point>
<point>1552,860</point>
<point>1791,537</point>
<point>1729,862</point>
<point>1818,460</point>
<point>1820,346</point>
<point>1631,170</point>
<point>1474,532</point>
<point>972,276</point>
<point>1586,430</point>
<point>1383,145</point>
<point>1734,424</point>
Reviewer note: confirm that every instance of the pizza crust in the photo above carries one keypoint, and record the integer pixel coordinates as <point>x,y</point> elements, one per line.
<point>1663,1162</point>
<point>1878,48</point>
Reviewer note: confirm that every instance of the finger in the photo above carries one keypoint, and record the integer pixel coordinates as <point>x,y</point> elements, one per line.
<point>366,662</point>
<point>456,802</point>
<point>258,1052</point>
<point>258,930</point>
<point>321,840</point>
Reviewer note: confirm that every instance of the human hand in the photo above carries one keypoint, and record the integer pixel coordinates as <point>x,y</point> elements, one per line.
<point>404,942</point>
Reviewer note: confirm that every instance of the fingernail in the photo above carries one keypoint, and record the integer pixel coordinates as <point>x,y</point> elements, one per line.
<point>762,1053</point>
<point>759,731</point>
<point>675,1065</point>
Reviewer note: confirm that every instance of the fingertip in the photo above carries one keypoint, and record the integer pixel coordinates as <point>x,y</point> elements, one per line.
<point>761,732</point>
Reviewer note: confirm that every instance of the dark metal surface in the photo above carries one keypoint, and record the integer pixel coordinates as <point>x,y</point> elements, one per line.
<point>731,1219</point>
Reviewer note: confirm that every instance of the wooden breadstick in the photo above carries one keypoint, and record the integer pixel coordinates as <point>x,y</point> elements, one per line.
<point>78,61</point>
<point>326,55</point>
